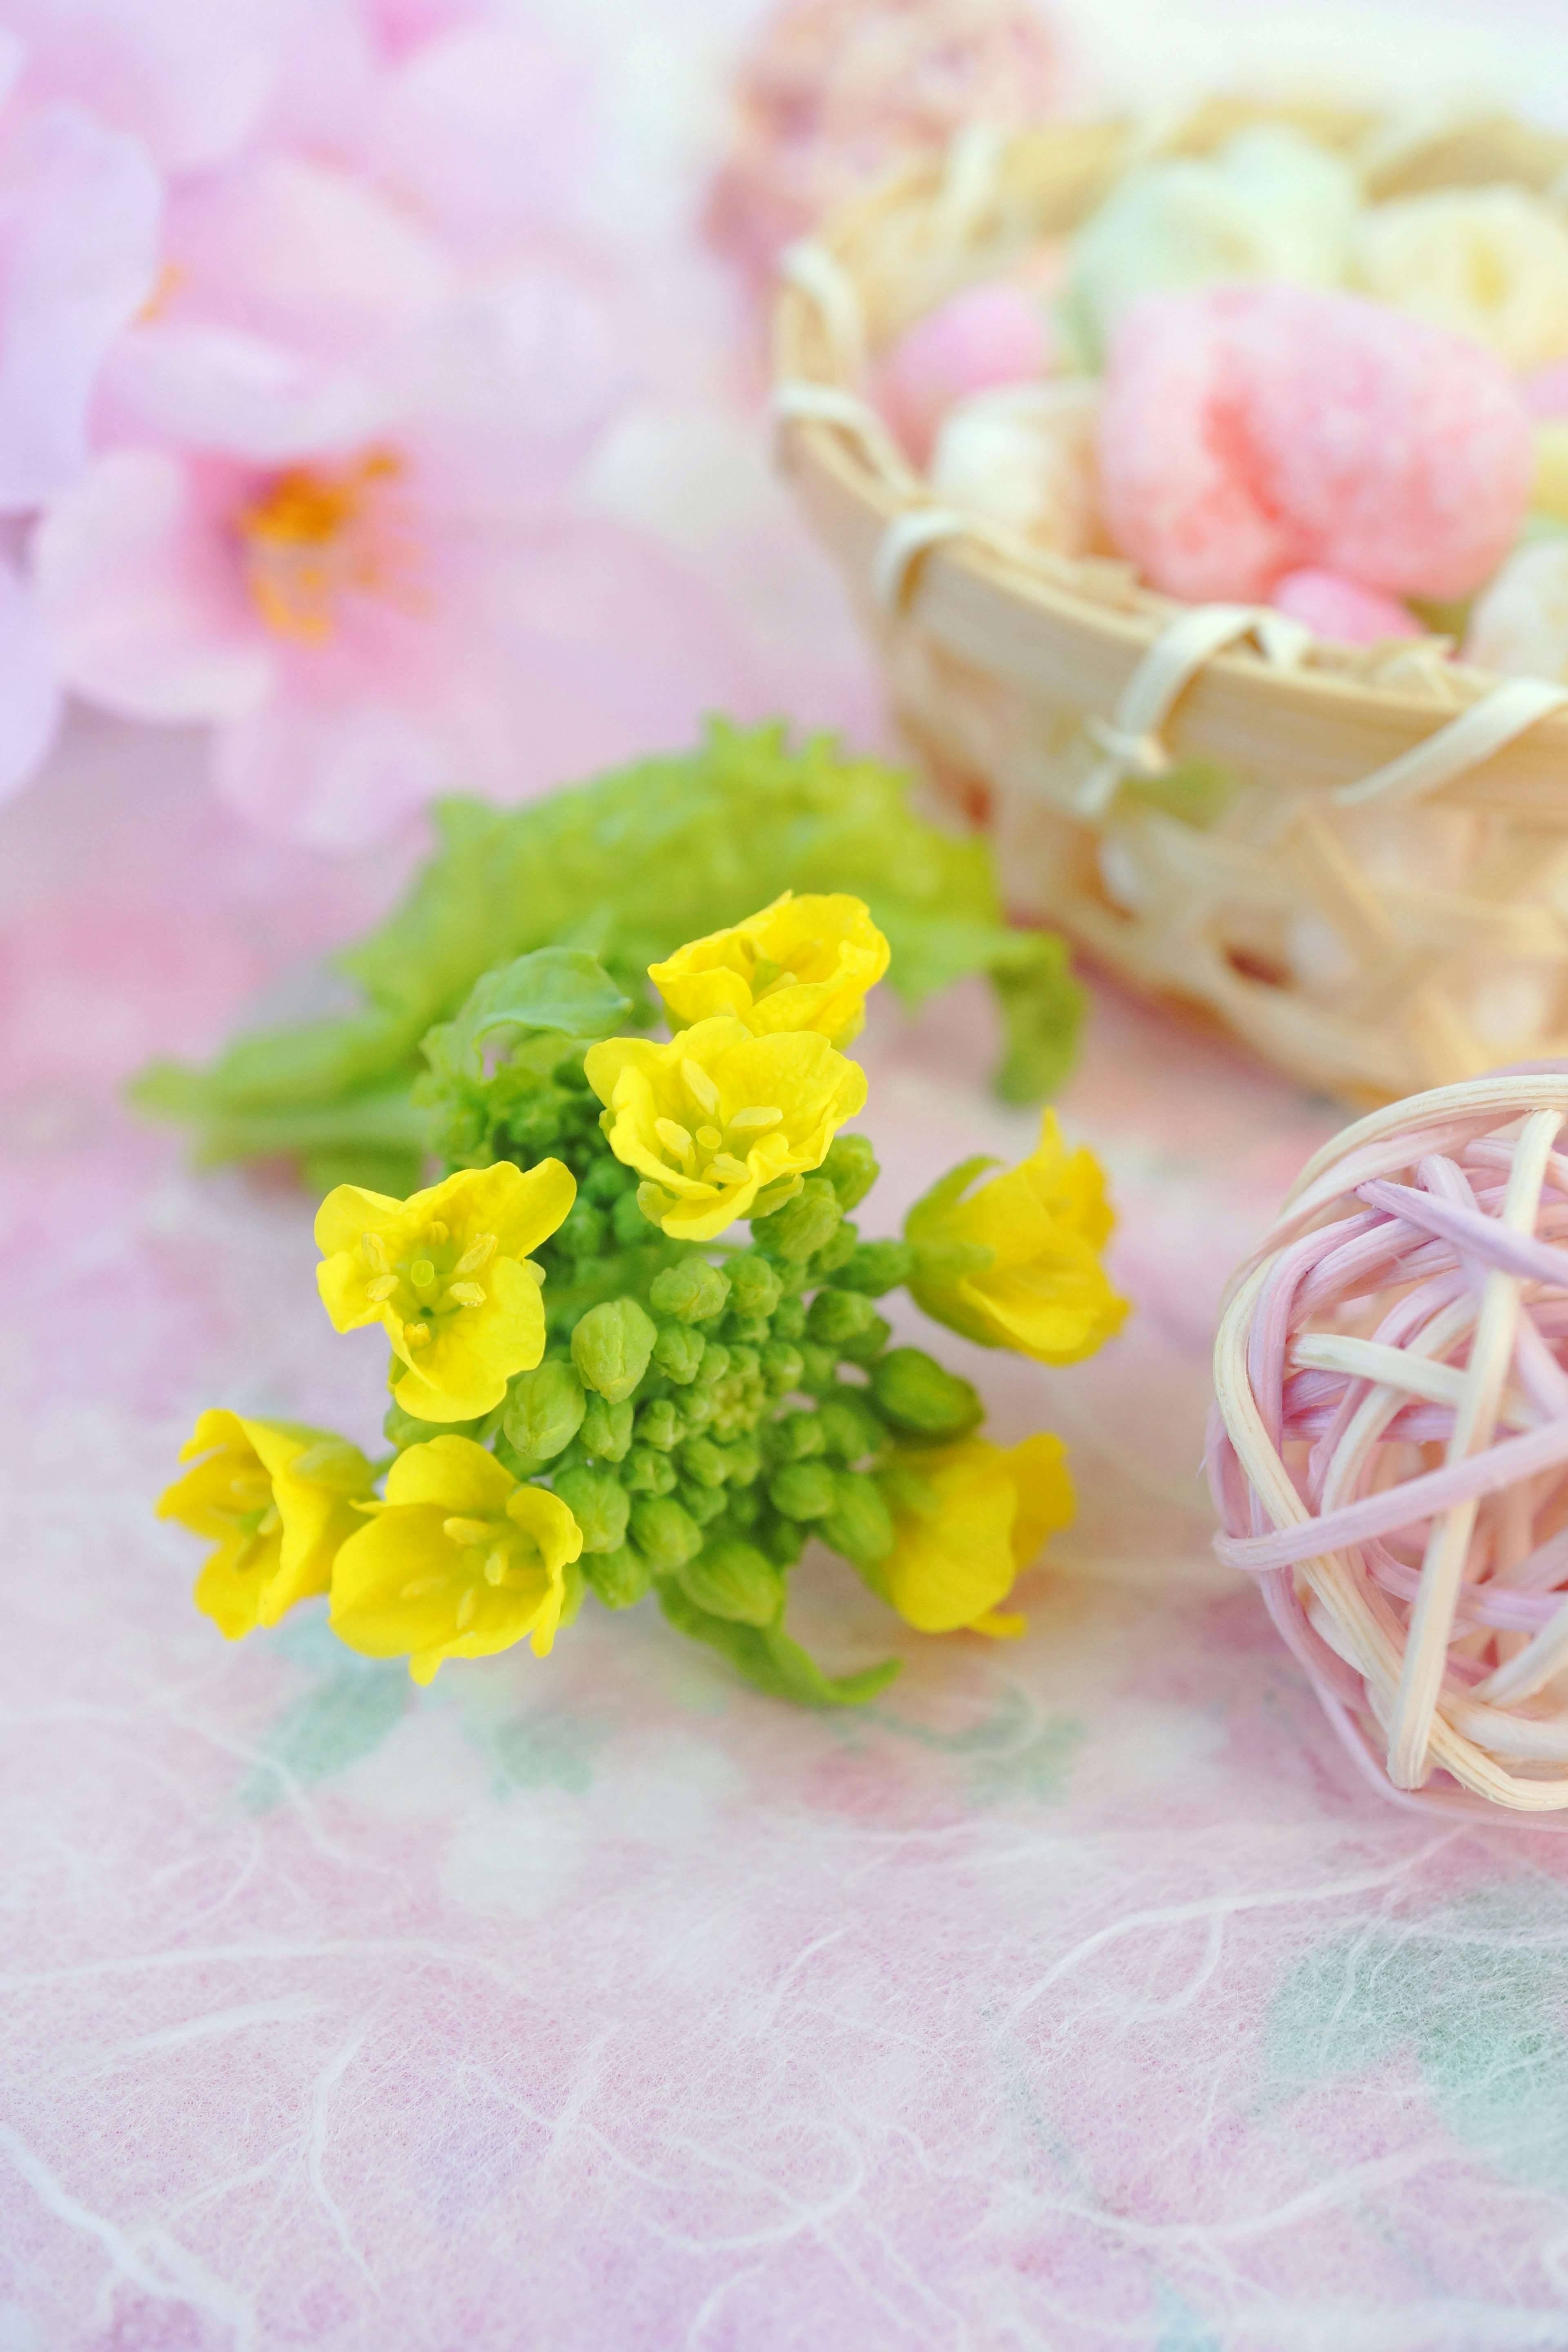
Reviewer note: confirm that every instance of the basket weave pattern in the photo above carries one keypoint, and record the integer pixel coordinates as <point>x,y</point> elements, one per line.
<point>1390,1452</point>
<point>1356,860</point>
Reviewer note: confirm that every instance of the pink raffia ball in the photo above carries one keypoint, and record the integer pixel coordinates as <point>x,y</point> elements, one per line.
<point>833,93</point>
<point>1389,1448</point>
<point>1248,431</point>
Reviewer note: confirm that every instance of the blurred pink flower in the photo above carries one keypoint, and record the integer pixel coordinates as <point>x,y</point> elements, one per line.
<point>373,618</point>
<point>190,78</point>
<point>832,93</point>
<point>80,211</point>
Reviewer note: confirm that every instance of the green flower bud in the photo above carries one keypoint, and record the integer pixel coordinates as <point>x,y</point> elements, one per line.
<point>851,1169</point>
<point>628,1223</point>
<point>876,1268</point>
<point>733,1579</point>
<point>606,1430</point>
<point>836,1252</point>
<point>743,1461</point>
<point>646,1471</point>
<point>544,1410</point>
<point>677,1352</point>
<point>698,1407</point>
<point>848,1430</point>
<point>867,1346</point>
<point>533,1128</point>
<point>918,1394</point>
<point>599,1504</point>
<point>782,1540</point>
<point>607,1180</point>
<point>665,1534</point>
<point>660,1423</point>
<point>803,1225</point>
<point>781,1366</point>
<point>610,1346</point>
<point>797,1438</point>
<point>860,1525</point>
<point>803,1490</point>
<point>703,1460</point>
<point>750,1330</point>
<point>755,1286</point>
<point>703,1504</point>
<point>839,1315</point>
<point>819,1368</point>
<point>524,1466</point>
<point>715,1364</point>
<point>744,1363</point>
<point>743,1505</point>
<point>584,1231</point>
<point>619,1577</point>
<point>789,1319</point>
<point>692,1291</point>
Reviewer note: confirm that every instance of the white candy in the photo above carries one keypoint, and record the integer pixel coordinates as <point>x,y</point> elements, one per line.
<point>1270,204</point>
<point>1520,622</point>
<point>1488,263</point>
<point>1024,457</point>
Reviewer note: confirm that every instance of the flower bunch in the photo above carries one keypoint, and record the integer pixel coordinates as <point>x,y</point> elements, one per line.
<point>308,343</point>
<point>596,1392</point>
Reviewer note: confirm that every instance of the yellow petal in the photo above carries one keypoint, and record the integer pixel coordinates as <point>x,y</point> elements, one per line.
<point>454,1472</point>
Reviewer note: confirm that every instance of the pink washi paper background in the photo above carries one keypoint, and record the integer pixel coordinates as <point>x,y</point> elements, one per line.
<point>1077,1995</point>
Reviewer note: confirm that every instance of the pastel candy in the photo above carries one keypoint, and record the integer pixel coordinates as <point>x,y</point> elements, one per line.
<point>988,335</point>
<point>1025,458</point>
<point>1488,263</point>
<point>1269,204</point>
<point>1249,431</point>
<point>1339,611</point>
<point>1521,624</point>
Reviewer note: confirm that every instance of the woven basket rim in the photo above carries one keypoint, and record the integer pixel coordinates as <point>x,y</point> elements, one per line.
<point>1099,598</point>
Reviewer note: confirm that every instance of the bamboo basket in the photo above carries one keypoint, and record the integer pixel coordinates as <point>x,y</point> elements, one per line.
<point>1357,860</point>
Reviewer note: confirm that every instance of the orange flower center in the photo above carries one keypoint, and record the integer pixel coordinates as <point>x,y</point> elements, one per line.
<point>315,535</point>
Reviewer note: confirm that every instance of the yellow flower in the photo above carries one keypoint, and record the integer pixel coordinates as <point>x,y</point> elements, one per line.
<point>277,1500</point>
<point>717,1118</point>
<point>1016,1265</point>
<point>967,1519</point>
<point>448,1272</point>
<point>802,963</point>
<point>458,1562</point>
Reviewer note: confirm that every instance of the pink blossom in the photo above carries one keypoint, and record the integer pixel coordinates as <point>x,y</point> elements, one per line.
<point>370,621</point>
<point>190,78</point>
<point>79,256</point>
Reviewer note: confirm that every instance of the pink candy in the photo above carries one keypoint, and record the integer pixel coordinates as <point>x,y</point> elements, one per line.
<point>1340,611</point>
<point>1251,431</point>
<point>988,335</point>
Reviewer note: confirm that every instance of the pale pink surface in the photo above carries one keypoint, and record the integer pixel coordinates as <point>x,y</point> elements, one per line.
<point>1341,611</point>
<point>1077,1996</point>
<point>987,335</point>
<point>1080,1998</point>
<point>1248,431</point>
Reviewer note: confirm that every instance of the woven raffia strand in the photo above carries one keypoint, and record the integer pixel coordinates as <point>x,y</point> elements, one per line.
<point>1358,861</point>
<point>1389,1453</point>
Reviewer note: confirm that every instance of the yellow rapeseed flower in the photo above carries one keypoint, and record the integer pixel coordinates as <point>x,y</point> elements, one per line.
<point>1017,1263</point>
<point>968,1519</point>
<point>458,1562</point>
<point>448,1272</point>
<point>718,1117</point>
<point>802,963</point>
<point>277,1500</point>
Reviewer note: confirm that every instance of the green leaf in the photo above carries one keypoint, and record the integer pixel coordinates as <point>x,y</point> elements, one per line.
<point>769,1660</point>
<point>556,990</point>
<point>626,867</point>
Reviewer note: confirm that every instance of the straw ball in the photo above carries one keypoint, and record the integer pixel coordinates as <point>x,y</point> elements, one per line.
<point>1389,1448</point>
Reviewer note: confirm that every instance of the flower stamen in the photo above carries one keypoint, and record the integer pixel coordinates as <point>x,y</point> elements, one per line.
<point>477,1254</point>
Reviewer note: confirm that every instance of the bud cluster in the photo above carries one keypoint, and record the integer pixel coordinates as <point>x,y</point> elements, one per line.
<point>703,1411</point>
